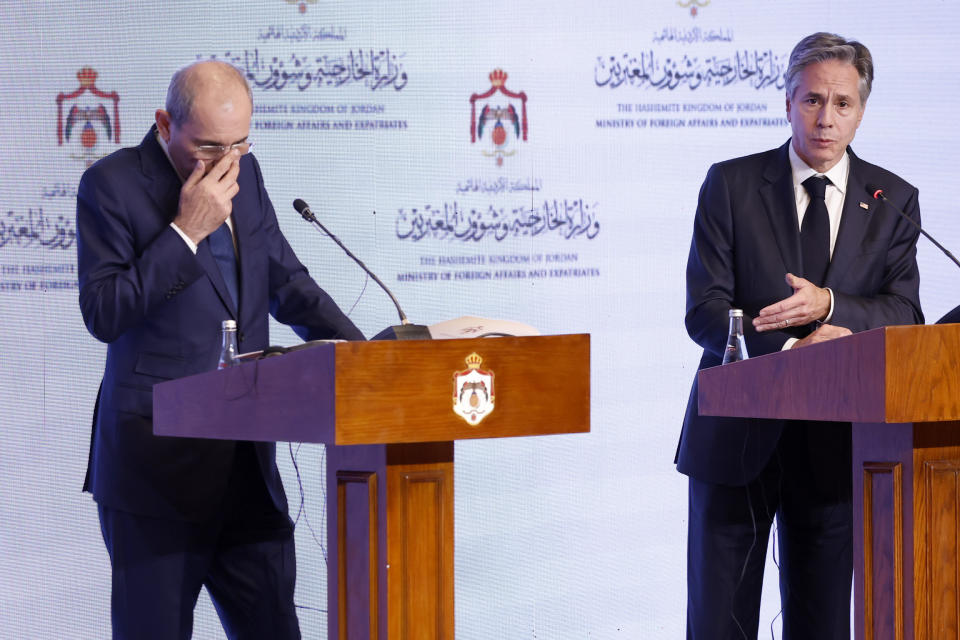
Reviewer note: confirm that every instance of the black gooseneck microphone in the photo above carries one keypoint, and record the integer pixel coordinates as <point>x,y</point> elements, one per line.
<point>406,330</point>
<point>877,193</point>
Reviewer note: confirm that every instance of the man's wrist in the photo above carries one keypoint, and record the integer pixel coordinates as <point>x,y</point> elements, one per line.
<point>186,238</point>
<point>829,315</point>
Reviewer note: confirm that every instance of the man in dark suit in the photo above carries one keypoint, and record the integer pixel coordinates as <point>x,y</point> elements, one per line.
<point>175,236</point>
<point>791,237</point>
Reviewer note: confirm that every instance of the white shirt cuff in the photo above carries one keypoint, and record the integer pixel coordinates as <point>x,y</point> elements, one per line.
<point>829,313</point>
<point>193,247</point>
<point>788,344</point>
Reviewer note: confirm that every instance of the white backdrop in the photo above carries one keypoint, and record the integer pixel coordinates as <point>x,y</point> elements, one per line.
<point>363,109</point>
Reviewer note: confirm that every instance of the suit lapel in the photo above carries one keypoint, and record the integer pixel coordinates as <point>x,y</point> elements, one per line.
<point>853,223</point>
<point>165,191</point>
<point>164,183</point>
<point>780,203</point>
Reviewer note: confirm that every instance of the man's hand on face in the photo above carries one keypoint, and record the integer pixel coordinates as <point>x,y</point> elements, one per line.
<point>809,303</point>
<point>206,200</point>
<point>823,333</point>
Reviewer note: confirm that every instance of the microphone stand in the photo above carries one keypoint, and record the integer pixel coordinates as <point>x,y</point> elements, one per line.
<point>406,330</point>
<point>953,316</point>
<point>878,194</point>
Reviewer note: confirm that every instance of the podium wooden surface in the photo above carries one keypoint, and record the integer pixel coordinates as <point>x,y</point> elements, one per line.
<point>385,411</point>
<point>900,387</point>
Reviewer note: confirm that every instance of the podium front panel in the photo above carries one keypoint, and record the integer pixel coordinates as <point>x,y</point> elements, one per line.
<point>404,391</point>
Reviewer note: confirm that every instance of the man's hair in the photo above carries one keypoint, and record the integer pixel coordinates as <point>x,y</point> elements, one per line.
<point>184,86</point>
<point>821,47</point>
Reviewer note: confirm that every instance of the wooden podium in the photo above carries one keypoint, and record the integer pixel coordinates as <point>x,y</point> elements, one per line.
<point>900,387</point>
<point>385,411</point>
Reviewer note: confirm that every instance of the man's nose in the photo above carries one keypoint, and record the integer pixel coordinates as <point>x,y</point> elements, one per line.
<point>825,116</point>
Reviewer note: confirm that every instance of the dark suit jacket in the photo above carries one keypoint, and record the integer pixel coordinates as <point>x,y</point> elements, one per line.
<point>159,308</point>
<point>745,239</point>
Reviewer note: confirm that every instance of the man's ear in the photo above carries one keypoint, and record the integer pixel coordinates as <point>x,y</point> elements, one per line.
<point>162,119</point>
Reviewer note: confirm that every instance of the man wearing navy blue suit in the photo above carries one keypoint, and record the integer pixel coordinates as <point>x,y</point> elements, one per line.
<point>175,236</point>
<point>791,237</point>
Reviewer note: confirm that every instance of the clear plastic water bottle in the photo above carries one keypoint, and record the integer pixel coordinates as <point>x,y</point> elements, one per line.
<point>228,350</point>
<point>736,346</point>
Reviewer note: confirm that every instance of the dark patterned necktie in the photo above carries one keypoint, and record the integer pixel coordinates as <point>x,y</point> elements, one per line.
<point>221,246</point>
<point>815,231</point>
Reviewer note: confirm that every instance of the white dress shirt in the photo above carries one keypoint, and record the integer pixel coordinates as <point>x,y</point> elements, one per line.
<point>833,197</point>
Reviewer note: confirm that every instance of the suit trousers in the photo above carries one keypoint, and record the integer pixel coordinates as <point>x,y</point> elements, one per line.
<point>807,486</point>
<point>243,555</point>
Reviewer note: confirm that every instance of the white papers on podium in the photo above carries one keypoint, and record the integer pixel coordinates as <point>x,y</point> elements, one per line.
<point>474,327</point>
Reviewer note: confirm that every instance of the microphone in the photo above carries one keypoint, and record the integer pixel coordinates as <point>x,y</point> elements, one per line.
<point>877,193</point>
<point>406,330</point>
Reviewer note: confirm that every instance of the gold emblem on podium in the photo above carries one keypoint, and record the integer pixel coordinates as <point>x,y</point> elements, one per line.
<point>473,391</point>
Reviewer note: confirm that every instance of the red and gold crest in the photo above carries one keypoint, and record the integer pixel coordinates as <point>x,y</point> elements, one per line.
<point>91,117</point>
<point>500,125</point>
<point>473,391</point>
<point>301,4</point>
<point>693,5</point>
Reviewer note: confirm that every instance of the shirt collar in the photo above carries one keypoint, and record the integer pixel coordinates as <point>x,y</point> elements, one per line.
<point>837,173</point>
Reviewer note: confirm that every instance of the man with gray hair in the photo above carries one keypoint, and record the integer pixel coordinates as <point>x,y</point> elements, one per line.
<point>175,236</point>
<point>791,237</point>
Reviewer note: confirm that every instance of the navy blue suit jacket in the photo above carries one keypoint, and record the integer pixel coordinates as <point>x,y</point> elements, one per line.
<point>159,308</point>
<point>745,239</point>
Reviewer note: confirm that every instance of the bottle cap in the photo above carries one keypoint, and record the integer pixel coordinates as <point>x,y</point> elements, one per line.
<point>229,325</point>
<point>736,313</point>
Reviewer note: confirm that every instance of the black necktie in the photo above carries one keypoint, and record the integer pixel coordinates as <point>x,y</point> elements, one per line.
<point>221,246</point>
<point>815,231</point>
